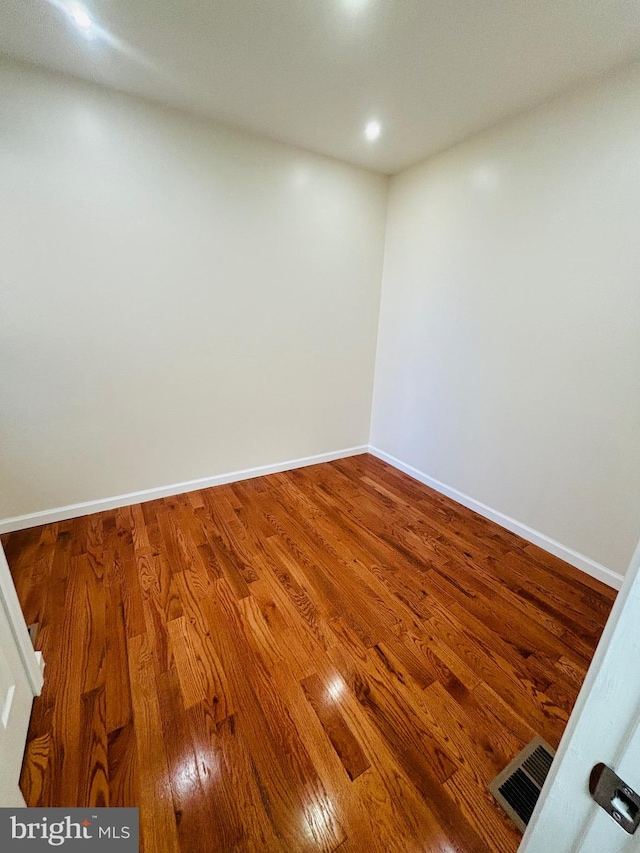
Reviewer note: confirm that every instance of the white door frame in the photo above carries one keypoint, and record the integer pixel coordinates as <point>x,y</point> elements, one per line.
<point>33,662</point>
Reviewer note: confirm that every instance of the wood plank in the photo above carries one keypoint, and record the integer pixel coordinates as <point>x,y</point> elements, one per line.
<point>157,818</point>
<point>345,744</point>
<point>122,763</point>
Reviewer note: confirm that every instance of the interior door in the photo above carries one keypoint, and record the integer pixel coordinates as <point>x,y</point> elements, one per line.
<point>20,680</point>
<point>604,727</point>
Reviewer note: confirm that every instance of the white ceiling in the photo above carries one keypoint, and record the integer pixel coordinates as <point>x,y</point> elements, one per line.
<point>313,72</point>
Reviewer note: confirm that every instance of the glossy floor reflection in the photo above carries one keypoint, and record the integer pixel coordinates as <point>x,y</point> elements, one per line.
<point>332,658</point>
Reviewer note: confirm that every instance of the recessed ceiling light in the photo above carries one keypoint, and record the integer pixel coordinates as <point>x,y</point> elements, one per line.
<point>373,130</point>
<point>80,17</point>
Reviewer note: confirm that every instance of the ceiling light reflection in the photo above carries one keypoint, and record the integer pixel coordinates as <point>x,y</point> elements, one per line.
<point>353,8</point>
<point>320,819</point>
<point>80,17</point>
<point>485,177</point>
<point>372,130</point>
<point>96,36</point>
<point>335,688</point>
<point>301,176</point>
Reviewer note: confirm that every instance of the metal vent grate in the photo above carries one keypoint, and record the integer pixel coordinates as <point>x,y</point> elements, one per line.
<point>538,765</point>
<point>518,787</point>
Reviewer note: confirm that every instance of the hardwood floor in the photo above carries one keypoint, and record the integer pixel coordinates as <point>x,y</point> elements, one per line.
<point>335,658</point>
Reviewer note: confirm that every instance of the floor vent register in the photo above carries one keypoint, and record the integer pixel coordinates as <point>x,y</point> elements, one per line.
<point>518,787</point>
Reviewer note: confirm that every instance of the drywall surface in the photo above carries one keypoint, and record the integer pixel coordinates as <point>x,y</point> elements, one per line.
<point>508,360</point>
<point>177,300</point>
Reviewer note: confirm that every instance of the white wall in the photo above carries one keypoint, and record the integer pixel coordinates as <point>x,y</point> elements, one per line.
<point>509,350</point>
<point>177,300</point>
<point>180,300</point>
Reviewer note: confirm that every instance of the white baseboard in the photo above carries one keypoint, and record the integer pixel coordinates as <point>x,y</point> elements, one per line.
<point>580,561</point>
<point>596,570</point>
<point>34,519</point>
